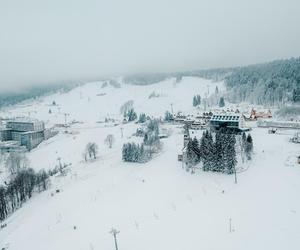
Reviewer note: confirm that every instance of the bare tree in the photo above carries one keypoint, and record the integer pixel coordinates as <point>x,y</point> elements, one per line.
<point>110,140</point>
<point>16,162</point>
<point>91,151</point>
<point>126,106</point>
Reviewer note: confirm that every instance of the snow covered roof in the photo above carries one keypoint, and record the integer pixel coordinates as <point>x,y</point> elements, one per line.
<point>226,117</point>
<point>24,120</point>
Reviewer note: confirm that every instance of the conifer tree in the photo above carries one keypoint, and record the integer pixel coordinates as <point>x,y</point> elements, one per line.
<point>221,102</point>
<point>204,149</point>
<point>218,153</point>
<point>230,154</point>
<point>249,147</point>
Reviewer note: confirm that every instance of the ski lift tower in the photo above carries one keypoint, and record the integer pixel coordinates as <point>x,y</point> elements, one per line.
<point>114,232</point>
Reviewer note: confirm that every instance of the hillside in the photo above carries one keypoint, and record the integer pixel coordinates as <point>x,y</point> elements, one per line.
<point>157,205</point>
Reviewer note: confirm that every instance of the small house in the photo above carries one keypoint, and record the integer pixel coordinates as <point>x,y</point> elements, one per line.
<point>260,114</point>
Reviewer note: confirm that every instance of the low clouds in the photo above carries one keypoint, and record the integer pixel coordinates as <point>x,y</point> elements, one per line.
<point>54,40</point>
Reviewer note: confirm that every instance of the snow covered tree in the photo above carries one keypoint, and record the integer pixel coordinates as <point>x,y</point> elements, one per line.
<point>126,106</point>
<point>109,140</point>
<point>192,153</point>
<point>249,147</point>
<point>91,151</point>
<point>243,145</point>
<point>207,150</point>
<point>218,162</point>
<point>4,209</point>
<point>196,100</point>
<point>168,116</point>
<point>216,90</point>
<point>130,115</point>
<point>296,94</point>
<point>221,102</point>
<point>142,118</point>
<point>42,180</point>
<point>265,84</point>
<point>230,154</point>
<point>15,162</point>
<point>133,152</point>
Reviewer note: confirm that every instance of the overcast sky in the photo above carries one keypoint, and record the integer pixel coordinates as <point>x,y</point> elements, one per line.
<point>53,40</point>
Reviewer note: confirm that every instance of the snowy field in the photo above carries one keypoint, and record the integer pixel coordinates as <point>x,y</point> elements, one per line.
<point>157,205</point>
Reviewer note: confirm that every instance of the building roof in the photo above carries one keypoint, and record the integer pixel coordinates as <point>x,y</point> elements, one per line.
<point>226,117</point>
<point>24,120</point>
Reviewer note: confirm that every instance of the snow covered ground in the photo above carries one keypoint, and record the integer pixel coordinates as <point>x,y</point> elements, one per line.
<point>157,205</point>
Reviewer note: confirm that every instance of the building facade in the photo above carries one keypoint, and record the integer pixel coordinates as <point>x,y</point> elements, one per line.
<point>27,132</point>
<point>231,121</point>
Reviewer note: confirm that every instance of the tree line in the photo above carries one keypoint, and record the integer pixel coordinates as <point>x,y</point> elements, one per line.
<point>20,188</point>
<point>217,153</point>
<point>133,152</point>
<point>274,83</point>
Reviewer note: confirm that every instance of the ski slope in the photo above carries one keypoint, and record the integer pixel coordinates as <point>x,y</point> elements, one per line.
<point>157,205</point>
<point>91,103</point>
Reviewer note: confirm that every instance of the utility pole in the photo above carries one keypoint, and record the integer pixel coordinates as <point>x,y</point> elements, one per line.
<point>59,161</point>
<point>230,226</point>
<point>114,232</point>
<point>172,108</point>
<point>66,114</point>
<point>121,132</point>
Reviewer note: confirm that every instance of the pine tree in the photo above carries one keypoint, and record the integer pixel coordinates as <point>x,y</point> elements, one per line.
<point>216,90</point>
<point>218,163</point>
<point>230,154</point>
<point>249,147</point>
<point>190,154</point>
<point>198,100</point>
<point>221,102</point>
<point>296,94</point>
<point>196,149</point>
<point>203,151</point>
<point>243,146</point>
<point>168,116</point>
<point>130,115</point>
<point>210,151</point>
<point>142,118</point>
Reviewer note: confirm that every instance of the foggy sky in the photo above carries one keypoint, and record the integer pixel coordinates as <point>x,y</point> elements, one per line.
<point>53,40</point>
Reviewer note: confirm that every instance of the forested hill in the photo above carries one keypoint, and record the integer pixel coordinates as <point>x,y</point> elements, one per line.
<point>271,83</point>
<point>33,92</point>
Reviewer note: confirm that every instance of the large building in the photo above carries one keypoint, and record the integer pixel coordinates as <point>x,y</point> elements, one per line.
<point>27,132</point>
<point>231,121</point>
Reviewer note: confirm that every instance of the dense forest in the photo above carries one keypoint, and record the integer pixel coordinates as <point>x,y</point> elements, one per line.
<point>33,92</point>
<point>275,83</point>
